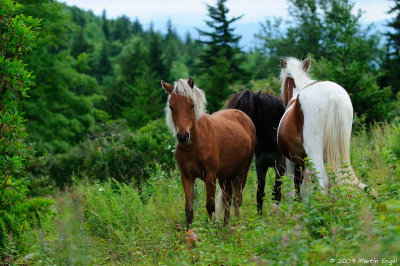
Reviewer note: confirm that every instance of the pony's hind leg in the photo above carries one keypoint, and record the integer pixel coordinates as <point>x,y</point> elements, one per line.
<point>290,170</point>
<point>317,159</point>
<point>298,178</point>
<point>279,172</point>
<point>226,188</point>
<point>261,167</point>
<point>239,185</point>
<point>210,180</point>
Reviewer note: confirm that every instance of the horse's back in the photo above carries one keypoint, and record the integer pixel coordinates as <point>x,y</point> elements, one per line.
<point>315,101</point>
<point>236,136</point>
<point>233,119</point>
<point>320,93</point>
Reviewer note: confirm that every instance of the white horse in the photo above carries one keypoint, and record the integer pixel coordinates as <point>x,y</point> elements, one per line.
<point>317,123</point>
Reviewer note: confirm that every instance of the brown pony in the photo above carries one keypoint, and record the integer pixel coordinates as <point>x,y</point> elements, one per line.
<point>208,147</point>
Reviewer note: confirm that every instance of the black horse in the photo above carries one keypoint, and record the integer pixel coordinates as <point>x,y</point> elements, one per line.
<point>266,111</point>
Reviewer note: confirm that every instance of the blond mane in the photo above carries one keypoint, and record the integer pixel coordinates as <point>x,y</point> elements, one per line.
<point>197,95</point>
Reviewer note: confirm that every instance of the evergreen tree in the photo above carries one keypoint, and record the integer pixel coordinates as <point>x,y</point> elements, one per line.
<point>122,29</point>
<point>192,52</point>
<point>220,62</point>
<point>60,109</point>
<point>392,64</point>
<point>135,95</point>
<point>172,52</point>
<point>308,29</point>
<point>157,64</point>
<point>105,26</point>
<point>137,27</point>
<point>80,45</point>
<point>77,16</point>
<point>101,65</point>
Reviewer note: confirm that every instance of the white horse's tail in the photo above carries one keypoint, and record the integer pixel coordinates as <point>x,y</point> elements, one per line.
<point>219,207</point>
<point>337,142</point>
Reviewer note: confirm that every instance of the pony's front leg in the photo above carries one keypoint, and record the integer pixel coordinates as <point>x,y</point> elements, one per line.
<point>188,187</point>
<point>210,180</point>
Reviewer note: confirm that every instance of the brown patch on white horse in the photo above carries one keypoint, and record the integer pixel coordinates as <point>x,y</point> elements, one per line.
<point>290,135</point>
<point>288,91</point>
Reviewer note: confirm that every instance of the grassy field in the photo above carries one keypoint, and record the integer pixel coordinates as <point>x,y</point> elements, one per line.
<point>112,223</point>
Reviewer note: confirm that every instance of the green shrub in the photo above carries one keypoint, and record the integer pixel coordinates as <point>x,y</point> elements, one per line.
<point>117,152</point>
<point>395,139</point>
<point>18,34</point>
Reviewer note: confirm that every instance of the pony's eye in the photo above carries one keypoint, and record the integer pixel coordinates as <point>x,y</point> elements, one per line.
<point>170,107</point>
<point>191,107</point>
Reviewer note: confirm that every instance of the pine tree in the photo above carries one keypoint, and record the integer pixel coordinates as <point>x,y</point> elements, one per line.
<point>393,54</point>
<point>80,45</point>
<point>102,66</point>
<point>105,26</point>
<point>122,28</point>
<point>308,29</point>
<point>172,50</point>
<point>137,27</point>
<point>60,108</point>
<point>220,62</point>
<point>157,64</point>
<point>192,51</point>
<point>135,95</point>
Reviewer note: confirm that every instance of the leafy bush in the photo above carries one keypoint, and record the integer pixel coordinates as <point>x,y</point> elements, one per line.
<point>117,152</point>
<point>17,39</point>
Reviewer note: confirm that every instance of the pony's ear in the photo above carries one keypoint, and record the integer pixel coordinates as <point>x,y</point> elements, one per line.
<point>307,64</point>
<point>191,82</point>
<point>167,87</point>
<point>283,63</point>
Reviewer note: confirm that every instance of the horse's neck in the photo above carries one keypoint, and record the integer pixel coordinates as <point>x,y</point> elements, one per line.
<point>301,81</point>
<point>199,128</point>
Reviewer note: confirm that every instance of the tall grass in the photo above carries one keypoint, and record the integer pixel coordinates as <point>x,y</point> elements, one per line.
<point>112,223</point>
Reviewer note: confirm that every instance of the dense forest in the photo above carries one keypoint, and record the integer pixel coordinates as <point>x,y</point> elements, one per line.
<point>81,112</point>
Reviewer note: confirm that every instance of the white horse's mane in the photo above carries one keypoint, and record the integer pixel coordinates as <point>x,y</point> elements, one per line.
<point>294,69</point>
<point>197,95</point>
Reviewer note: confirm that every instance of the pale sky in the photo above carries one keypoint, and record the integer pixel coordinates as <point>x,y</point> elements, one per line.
<point>187,14</point>
<point>193,10</point>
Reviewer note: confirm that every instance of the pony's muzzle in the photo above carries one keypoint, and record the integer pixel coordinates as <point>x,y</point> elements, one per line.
<point>182,138</point>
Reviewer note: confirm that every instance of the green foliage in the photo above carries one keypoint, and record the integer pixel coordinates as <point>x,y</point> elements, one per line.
<point>117,153</point>
<point>115,223</point>
<point>136,95</point>
<point>60,108</point>
<point>80,45</point>
<point>121,28</point>
<point>18,35</point>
